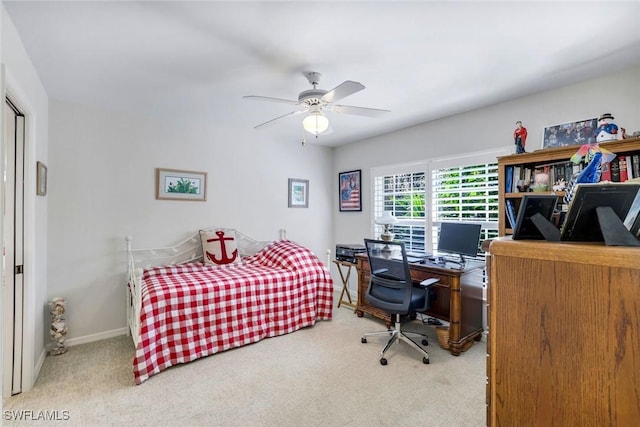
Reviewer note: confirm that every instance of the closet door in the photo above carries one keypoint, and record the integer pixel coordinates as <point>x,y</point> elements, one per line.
<point>13,233</point>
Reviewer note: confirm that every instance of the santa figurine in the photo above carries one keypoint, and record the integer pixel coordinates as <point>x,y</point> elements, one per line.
<point>607,130</point>
<point>520,137</point>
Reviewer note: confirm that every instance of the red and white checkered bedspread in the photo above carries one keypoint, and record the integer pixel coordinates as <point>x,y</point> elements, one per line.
<point>192,310</point>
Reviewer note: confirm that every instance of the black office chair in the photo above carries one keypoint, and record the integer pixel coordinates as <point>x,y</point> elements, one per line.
<point>392,290</point>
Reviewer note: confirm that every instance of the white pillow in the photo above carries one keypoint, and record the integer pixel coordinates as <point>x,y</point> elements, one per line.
<point>219,246</point>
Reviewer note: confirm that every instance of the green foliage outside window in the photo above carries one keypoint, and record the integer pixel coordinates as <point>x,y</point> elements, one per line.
<point>470,190</point>
<point>404,195</point>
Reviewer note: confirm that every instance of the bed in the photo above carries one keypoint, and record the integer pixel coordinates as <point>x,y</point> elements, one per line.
<point>180,309</point>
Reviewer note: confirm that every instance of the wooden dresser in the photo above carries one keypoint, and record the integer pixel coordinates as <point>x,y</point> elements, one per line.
<point>458,299</point>
<point>564,334</point>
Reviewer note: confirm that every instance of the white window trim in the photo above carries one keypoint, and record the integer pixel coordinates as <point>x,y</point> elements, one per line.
<point>427,166</point>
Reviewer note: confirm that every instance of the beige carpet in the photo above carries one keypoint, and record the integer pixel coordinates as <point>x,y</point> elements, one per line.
<point>318,376</point>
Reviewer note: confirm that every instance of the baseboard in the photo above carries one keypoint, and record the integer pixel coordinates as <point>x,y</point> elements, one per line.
<point>37,368</point>
<point>97,337</point>
<point>77,341</point>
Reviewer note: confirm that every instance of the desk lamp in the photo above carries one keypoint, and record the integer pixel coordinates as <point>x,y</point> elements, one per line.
<point>387,219</point>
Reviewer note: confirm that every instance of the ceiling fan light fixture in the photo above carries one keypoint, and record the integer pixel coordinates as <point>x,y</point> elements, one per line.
<point>315,123</point>
<point>314,101</point>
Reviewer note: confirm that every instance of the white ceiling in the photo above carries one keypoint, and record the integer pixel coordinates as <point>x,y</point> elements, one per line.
<point>422,59</point>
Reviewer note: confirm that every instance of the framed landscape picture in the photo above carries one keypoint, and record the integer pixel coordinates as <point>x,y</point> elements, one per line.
<point>349,191</point>
<point>298,193</point>
<point>174,184</point>
<point>572,133</point>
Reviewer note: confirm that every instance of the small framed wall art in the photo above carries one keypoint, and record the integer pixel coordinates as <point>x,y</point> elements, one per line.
<point>41,179</point>
<point>349,191</point>
<point>173,184</point>
<point>298,193</point>
<point>572,133</point>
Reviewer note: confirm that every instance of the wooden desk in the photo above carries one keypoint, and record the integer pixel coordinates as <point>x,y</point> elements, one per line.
<point>458,299</point>
<point>563,344</point>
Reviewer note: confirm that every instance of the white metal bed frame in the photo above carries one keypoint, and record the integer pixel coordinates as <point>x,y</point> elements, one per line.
<point>185,251</point>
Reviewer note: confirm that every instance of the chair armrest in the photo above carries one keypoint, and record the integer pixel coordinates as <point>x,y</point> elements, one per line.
<point>430,281</point>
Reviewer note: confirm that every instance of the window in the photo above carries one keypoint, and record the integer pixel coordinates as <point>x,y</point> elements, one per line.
<point>465,193</point>
<point>423,195</point>
<point>404,195</point>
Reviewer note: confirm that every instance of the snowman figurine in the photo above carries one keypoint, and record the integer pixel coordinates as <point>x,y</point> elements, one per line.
<point>607,130</point>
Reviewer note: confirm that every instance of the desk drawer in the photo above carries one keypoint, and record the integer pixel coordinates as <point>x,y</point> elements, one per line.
<point>419,276</point>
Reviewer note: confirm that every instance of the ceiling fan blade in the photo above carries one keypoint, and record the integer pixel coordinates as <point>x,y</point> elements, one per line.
<point>342,90</point>
<point>359,111</point>
<point>272,121</point>
<point>267,98</point>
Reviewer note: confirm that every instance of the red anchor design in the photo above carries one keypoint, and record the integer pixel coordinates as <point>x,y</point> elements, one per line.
<point>225,258</point>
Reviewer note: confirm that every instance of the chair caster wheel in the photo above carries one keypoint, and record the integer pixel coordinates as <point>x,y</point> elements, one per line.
<point>425,342</point>
<point>425,360</point>
<point>383,361</point>
<point>363,340</point>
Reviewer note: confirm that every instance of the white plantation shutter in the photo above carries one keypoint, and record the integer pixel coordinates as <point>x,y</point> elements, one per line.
<point>465,193</point>
<point>423,195</point>
<point>404,195</point>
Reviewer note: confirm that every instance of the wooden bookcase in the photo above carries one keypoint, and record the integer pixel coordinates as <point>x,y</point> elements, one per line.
<point>545,157</point>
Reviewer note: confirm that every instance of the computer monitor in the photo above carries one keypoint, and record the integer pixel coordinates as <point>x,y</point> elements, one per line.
<point>632,222</point>
<point>459,238</point>
<point>582,223</point>
<point>531,204</point>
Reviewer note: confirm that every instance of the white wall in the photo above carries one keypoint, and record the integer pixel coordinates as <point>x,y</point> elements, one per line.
<point>23,86</point>
<point>102,188</point>
<point>481,130</point>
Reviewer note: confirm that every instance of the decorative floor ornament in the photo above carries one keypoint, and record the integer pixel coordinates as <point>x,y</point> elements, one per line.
<point>58,329</point>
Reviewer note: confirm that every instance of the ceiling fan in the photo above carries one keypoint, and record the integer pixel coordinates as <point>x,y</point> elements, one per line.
<point>314,101</point>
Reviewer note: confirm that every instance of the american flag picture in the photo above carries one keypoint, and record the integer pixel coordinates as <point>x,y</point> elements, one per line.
<point>349,187</point>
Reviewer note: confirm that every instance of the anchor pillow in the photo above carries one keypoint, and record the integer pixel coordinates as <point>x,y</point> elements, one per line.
<point>219,246</point>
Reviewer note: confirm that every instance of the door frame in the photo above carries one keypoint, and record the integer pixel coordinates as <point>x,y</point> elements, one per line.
<point>31,317</point>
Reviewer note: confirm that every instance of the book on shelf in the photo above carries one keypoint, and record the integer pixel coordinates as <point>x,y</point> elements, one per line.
<point>559,173</point>
<point>614,167</point>
<point>629,161</point>
<point>623,169</point>
<point>568,171</point>
<point>605,172</point>
<point>511,213</point>
<point>635,164</point>
<point>508,183</point>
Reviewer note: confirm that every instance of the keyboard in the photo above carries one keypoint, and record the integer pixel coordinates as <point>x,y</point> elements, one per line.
<point>424,258</point>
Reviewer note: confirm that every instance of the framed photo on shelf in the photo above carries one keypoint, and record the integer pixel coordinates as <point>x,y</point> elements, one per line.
<point>298,193</point>
<point>572,133</point>
<point>41,179</point>
<point>349,191</point>
<point>174,184</point>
